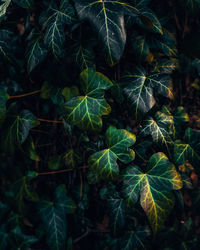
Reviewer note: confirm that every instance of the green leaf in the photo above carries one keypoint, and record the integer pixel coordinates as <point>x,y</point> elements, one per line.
<point>22,240</point>
<point>134,239</point>
<point>104,163</point>
<point>84,55</point>
<point>36,52</point>
<point>139,89</point>
<point>3,7</point>
<point>3,99</point>
<point>159,128</point>
<point>5,47</point>
<point>153,187</point>
<point>18,130</point>
<point>107,18</point>
<point>54,219</point>
<point>86,111</point>
<point>117,214</point>
<point>55,24</point>
<point>63,201</point>
<point>27,4</point>
<point>188,150</point>
<point>22,191</point>
<point>140,47</point>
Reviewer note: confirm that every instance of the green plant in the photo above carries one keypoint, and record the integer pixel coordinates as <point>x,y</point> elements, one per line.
<point>97,147</point>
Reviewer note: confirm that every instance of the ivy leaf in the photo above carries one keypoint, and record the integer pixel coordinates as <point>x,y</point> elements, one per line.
<point>22,240</point>
<point>140,86</point>
<point>64,202</point>
<point>5,45</point>
<point>107,18</point>
<point>84,55</point>
<point>27,4</point>
<point>140,47</point>
<point>104,163</point>
<point>188,150</point>
<point>86,111</point>
<point>22,191</point>
<point>117,214</point>
<point>18,130</point>
<point>54,220</point>
<point>134,239</point>
<point>159,128</point>
<point>153,187</point>
<point>55,24</point>
<point>36,51</point>
<point>3,7</point>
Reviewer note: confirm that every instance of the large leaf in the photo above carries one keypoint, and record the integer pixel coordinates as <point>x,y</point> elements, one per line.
<point>104,163</point>
<point>55,24</point>
<point>188,150</point>
<point>159,128</point>
<point>86,111</point>
<point>5,46</point>
<point>107,18</point>
<point>139,88</point>
<point>153,187</point>
<point>36,51</point>
<point>3,7</point>
<point>18,130</point>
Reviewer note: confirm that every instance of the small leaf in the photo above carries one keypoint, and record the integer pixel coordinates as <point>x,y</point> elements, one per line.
<point>117,214</point>
<point>104,163</point>
<point>153,187</point>
<point>36,52</point>
<point>86,111</point>
<point>159,128</point>
<point>18,130</point>
<point>188,150</point>
<point>3,99</point>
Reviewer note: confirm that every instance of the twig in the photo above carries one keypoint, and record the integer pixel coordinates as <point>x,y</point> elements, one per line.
<point>27,94</point>
<point>50,121</point>
<point>62,171</point>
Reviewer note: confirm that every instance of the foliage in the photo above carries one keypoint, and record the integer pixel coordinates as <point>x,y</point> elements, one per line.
<point>99,142</point>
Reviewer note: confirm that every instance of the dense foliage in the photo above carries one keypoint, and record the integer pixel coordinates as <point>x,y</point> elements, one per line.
<point>100,147</point>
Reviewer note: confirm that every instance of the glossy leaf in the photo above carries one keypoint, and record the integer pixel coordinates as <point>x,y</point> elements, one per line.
<point>86,111</point>
<point>104,163</point>
<point>153,188</point>
<point>107,18</point>
<point>55,23</point>
<point>3,7</point>
<point>140,87</point>
<point>159,128</point>
<point>188,150</point>
<point>36,52</point>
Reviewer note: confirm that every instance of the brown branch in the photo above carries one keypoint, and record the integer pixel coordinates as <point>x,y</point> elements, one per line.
<point>50,121</point>
<point>27,94</point>
<point>62,171</point>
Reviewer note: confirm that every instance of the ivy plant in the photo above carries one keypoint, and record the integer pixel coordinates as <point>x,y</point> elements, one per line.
<point>99,124</point>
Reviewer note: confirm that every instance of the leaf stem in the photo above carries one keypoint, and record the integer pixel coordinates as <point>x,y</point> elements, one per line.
<point>62,171</point>
<point>27,94</point>
<point>50,121</point>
